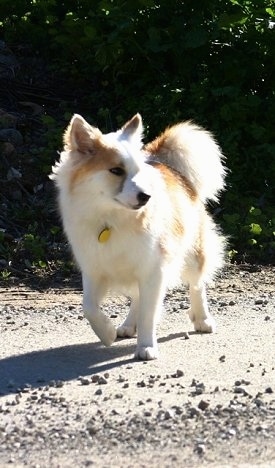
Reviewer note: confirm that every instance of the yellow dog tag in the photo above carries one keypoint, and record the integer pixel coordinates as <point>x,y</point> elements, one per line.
<point>104,235</point>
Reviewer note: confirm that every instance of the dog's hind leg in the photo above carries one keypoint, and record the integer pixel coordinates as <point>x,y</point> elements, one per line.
<point>129,327</point>
<point>199,312</point>
<point>93,292</point>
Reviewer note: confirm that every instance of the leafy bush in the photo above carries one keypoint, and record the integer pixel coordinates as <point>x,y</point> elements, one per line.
<point>211,61</point>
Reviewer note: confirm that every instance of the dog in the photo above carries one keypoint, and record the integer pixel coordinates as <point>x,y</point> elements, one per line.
<point>136,219</point>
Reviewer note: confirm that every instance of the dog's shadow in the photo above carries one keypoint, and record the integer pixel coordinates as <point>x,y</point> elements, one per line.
<point>65,363</point>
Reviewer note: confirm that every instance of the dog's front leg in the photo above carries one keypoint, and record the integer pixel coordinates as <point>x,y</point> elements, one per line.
<point>152,291</point>
<point>199,312</point>
<point>93,292</point>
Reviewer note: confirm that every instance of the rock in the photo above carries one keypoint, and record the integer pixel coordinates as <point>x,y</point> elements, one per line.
<point>203,405</point>
<point>7,149</point>
<point>7,120</point>
<point>12,136</point>
<point>13,174</point>
<point>92,427</point>
<point>200,449</point>
<point>194,412</point>
<point>239,390</point>
<point>102,381</point>
<point>84,381</point>
<point>169,414</point>
<point>95,378</point>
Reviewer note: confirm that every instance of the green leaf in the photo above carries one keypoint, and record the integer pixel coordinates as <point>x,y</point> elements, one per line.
<point>255,211</point>
<point>252,241</point>
<point>227,21</point>
<point>255,229</point>
<point>270,11</point>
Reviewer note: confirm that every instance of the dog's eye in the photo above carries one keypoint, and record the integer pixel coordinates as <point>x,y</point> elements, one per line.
<point>118,171</point>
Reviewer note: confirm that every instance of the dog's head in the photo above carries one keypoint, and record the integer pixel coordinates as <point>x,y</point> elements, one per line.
<point>110,167</point>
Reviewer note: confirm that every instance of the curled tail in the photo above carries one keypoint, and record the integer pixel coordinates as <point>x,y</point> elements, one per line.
<point>192,151</point>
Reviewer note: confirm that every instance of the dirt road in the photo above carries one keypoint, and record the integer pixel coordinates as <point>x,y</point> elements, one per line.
<point>209,401</point>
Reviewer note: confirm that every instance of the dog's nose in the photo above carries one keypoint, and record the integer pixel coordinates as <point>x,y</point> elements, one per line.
<point>143,198</point>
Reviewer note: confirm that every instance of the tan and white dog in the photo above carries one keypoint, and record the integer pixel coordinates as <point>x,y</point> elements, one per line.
<point>136,220</point>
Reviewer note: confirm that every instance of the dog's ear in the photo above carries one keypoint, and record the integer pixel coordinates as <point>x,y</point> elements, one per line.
<point>133,128</point>
<point>80,135</point>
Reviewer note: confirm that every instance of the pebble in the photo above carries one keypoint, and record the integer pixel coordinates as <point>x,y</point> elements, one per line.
<point>84,381</point>
<point>258,402</point>
<point>200,449</point>
<point>92,427</point>
<point>141,384</point>
<point>178,373</point>
<point>203,405</point>
<point>194,412</point>
<point>102,381</point>
<point>239,390</point>
<point>95,378</point>
<point>169,414</point>
<point>121,379</point>
<point>199,388</point>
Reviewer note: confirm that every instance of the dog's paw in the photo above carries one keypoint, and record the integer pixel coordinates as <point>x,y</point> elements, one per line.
<point>202,325</point>
<point>205,326</point>
<point>124,331</point>
<point>103,328</point>
<point>146,353</point>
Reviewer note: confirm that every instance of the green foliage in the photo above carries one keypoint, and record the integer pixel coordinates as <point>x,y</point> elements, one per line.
<point>211,61</point>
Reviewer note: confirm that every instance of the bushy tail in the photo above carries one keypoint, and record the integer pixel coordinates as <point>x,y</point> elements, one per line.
<point>194,153</point>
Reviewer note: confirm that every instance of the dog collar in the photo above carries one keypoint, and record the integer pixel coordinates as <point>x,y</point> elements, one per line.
<point>104,235</point>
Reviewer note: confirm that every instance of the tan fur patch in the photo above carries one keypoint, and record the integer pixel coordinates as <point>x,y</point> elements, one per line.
<point>161,144</point>
<point>200,247</point>
<point>103,158</point>
<point>175,181</point>
<point>158,145</point>
<point>175,187</point>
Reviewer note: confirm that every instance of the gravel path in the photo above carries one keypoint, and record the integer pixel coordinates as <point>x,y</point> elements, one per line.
<point>65,400</point>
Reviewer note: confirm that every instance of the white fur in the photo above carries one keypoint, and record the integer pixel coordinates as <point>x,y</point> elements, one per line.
<point>144,254</point>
